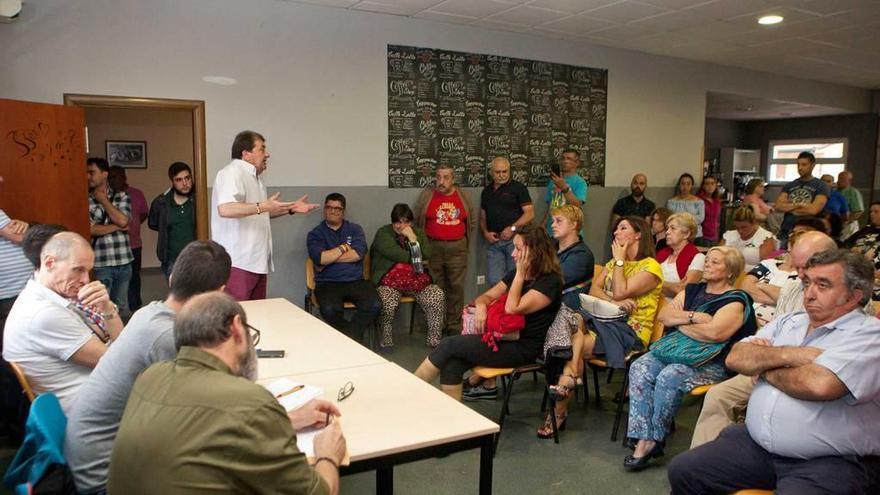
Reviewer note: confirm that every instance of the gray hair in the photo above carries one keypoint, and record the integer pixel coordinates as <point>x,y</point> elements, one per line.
<point>61,244</point>
<point>206,320</point>
<point>858,273</point>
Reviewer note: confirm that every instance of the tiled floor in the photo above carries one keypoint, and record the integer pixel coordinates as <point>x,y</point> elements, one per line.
<point>585,461</point>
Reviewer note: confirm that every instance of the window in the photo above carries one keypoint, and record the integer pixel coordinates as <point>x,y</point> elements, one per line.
<point>830,158</point>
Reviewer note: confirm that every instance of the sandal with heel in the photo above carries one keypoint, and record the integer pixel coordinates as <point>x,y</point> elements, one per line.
<point>546,430</point>
<point>560,392</point>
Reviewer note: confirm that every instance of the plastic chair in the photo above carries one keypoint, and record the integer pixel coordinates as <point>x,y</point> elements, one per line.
<point>508,377</point>
<point>22,380</point>
<point>596,365</point>
<point>310,302</point>
<point>42,452</point>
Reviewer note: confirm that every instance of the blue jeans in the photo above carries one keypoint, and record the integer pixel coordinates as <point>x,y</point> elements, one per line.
<point>655,392</point>
<point>116,279</point>
<point>499,261</point>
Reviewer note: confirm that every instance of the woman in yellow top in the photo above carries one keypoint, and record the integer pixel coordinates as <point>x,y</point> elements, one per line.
<point>632,280</point>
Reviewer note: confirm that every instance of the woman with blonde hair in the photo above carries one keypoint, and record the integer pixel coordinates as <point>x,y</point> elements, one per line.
<point>681,261</point>
<point>702,324</point>
<point>575,257</point>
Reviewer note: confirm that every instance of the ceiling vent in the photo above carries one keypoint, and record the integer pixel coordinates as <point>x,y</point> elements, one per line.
<point>9,10</point>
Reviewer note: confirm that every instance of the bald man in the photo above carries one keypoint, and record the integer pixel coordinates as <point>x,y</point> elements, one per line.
<point>505,205</point>
<point>636,203</point>
<point>61,323</point>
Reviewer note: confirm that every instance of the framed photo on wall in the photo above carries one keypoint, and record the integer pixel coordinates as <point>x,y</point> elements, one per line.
<point>127,154</point>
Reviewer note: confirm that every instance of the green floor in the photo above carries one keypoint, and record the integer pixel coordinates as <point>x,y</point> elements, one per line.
<point>585,461</point>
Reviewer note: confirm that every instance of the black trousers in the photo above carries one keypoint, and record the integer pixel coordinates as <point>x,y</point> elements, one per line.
<point>459,353</point>
<point>734,462</point>
<point>331,297</point>
<point>13,406</point>
<point>134,285</point>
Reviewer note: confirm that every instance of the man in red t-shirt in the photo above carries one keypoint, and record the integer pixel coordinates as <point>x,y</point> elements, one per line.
<point>445,213</point>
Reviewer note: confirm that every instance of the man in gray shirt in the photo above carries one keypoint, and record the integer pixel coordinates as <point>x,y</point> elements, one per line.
<point>815,411</point>
<point>202,266</point>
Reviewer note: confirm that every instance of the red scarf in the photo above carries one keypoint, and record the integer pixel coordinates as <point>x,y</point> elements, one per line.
<point>499,322</point>
<point>684,257</point>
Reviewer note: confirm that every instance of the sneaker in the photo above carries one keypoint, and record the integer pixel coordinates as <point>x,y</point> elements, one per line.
<point>479,392</point>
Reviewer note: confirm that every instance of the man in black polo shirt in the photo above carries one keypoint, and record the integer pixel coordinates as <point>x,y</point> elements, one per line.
<point>636,203</point>
<point>505,205</point>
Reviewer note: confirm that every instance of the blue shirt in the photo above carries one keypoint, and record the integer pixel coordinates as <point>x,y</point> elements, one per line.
<point>801,192</point>
<point>322,238</point>
<point>555,199</point>
<point>805,429</point>
<point>15,269</point>
<point>577,263</point>
<point>836,203</point>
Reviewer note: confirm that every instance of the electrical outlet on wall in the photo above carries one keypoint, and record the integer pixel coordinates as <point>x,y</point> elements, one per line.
<point>481,279</point>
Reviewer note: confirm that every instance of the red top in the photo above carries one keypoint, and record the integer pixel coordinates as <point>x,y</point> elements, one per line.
<point>713,216</point>
<point>446,217</point>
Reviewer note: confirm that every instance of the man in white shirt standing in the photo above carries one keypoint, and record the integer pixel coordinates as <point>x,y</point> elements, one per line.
<point>240,213</point>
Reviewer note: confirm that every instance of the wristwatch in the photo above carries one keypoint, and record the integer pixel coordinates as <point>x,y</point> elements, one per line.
<point>618,262</point>
<point>513,228</point>
<point>691,317</point>
<point>565,191</point>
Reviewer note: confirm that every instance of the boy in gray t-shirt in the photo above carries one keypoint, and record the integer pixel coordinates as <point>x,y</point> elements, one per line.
<point>202,266</point>
<point>97,410</point>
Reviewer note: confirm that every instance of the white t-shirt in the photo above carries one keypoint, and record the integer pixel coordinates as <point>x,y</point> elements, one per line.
<point>750,249</point>
<point>41,335</point>
<point>670,270</point>
<point>774,276</point>
<point>248,239</point>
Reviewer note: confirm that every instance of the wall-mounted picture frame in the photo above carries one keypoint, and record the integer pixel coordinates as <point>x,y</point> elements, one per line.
<point>127,154</point>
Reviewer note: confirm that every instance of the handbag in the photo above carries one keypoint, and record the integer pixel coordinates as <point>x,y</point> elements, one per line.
<point>469,321</point>
<point>599,308</point>
<point>677,348</point>
<point>402,277</point>
<point>501,325</point>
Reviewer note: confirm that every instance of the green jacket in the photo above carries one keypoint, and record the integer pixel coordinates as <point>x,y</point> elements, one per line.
<point>385,251</point>
<point>192,427</point>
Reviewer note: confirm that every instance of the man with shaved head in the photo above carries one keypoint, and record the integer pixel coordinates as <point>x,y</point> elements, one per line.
<point>636,203</point>
<point>61,322</point>
<point>505,205</point>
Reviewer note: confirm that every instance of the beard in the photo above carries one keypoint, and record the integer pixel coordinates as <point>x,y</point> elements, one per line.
<point>181,193</point>
<point>247,363</point>
<point>637,192</point>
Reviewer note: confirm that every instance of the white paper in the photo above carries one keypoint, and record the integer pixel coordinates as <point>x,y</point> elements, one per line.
<point>296,399</point>
<point>305,440</point>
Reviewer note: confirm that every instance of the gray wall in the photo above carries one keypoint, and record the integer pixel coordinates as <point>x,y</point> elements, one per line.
<point>724,134</point>
<point>371,206</point>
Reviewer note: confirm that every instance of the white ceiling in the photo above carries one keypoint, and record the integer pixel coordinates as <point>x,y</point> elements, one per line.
<point>739,107</point>
<point>827,40</point>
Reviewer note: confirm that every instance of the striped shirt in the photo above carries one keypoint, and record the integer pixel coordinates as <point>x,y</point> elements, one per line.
<point>111,249</point>
<point>15,269</point>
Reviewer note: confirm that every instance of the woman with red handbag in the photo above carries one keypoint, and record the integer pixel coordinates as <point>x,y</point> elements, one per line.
<point>399,264</point>
<point>533,290</point>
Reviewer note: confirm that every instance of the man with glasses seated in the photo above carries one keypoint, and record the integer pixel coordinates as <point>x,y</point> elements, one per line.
<point>202,266</point>
<point>337,248</point>
<point>200,424</point>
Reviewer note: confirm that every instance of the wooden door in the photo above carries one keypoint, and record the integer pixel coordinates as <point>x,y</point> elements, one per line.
<point>43,164</point>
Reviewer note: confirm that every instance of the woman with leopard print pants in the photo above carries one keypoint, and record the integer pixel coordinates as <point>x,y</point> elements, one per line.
<point>399,256</point>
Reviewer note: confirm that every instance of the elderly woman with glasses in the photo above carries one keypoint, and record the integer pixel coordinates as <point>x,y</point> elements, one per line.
<point>703,322</point>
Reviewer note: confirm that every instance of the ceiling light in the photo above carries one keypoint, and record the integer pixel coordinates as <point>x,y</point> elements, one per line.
<point>221,80</point>
<point>768,20</point>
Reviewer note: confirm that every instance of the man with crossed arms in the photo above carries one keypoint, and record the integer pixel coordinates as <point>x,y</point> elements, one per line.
<point>815,411</point>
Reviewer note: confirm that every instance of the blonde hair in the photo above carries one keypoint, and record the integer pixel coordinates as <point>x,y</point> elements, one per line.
<point>733,261</point>
<point>572,213</point>
<point>744,213</point>
<point>685,220</point>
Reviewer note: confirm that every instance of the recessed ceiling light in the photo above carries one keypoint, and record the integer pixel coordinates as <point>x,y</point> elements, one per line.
<point>221,80</point>
<point>744,109</point>
<point>768,20</point>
